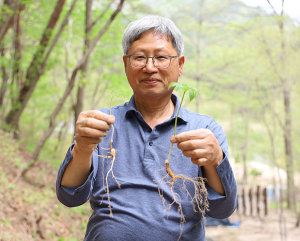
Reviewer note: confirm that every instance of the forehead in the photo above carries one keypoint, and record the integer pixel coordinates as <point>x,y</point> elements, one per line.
<point>152,41</point>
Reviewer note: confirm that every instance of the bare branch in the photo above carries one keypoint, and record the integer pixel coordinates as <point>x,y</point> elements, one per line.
<point>272,7</point>
<point>102,14</point>
<point>282,4</point>
<point>64,23</point>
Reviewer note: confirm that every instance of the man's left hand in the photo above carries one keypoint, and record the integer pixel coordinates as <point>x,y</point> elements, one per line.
<point>201,146</point>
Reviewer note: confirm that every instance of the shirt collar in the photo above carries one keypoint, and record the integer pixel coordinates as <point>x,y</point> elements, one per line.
<point>131,108</point>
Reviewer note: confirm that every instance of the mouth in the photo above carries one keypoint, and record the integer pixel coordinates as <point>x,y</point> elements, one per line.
<point>150,81</point>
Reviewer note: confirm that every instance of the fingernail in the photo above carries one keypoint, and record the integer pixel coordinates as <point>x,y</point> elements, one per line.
<point>111,119</point>
<point>172,139</point>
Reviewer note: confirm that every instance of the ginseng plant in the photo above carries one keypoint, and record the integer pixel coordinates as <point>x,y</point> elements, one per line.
<point>112,155</point>
<point>198,199</point>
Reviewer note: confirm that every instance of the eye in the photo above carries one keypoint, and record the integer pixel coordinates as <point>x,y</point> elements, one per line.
<point>161,57</point>
<point>139,57</point>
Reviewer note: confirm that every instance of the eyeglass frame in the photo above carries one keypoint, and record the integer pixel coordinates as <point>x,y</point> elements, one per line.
<point>170,56</point>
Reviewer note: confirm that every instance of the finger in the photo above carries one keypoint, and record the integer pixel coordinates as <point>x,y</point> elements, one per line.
<point>192,144</point>
<point>197,153</point>
<point>190,135</point>
<point>109,119</point>
<point>90,132</point>
<point>93,124</point>
<point>86,141</point>
<point>200,161</point>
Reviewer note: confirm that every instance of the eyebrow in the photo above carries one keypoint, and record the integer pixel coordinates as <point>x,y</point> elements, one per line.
<point>143,49</point>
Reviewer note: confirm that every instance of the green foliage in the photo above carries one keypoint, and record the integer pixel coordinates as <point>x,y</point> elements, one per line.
<point>192,91</point>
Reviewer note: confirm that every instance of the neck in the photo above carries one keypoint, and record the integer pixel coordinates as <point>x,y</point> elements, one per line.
<point>155,111</point>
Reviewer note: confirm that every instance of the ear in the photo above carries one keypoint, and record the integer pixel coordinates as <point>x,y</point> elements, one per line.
<point>125,61</point>
<point>181,60</point>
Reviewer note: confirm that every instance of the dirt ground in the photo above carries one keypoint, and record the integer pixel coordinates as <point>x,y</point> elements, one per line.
<point>255,229</point>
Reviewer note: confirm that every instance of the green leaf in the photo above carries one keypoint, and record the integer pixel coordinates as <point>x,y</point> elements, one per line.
<point>173,84</point>
<point>192,91</point>
<point>192,94</point>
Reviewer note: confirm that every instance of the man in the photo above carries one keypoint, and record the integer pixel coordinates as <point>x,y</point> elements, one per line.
<point>143,127</point>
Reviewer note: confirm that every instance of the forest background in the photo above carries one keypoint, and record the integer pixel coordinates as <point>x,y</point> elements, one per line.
<point>59,58</point>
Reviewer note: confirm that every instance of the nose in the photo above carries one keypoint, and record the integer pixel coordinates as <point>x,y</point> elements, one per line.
<point>149,67</point>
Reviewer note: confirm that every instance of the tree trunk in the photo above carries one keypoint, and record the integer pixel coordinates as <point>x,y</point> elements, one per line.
<point>6,21</point>
<point>6,18</point>
<point>287,110</point>
<point>3,83</point>
<point>288,150</point>
<point>17,72</point>
<point>87,42</point>
<point>288,119</point>
<point>245,147</point>
<point>34,70</point>
<point>69,88</point>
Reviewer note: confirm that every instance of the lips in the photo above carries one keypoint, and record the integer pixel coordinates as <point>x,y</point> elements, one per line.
<point>150,81</point>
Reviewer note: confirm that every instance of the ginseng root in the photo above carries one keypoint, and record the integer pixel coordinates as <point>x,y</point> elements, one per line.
<point>198,199</point>
<point>110,171</point>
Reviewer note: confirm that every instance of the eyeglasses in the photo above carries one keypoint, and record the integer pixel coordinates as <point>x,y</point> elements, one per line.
<point>159,61</point>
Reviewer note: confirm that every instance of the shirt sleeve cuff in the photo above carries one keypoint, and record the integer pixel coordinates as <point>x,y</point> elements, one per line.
<point>223,204</point>
<point>74,196</point>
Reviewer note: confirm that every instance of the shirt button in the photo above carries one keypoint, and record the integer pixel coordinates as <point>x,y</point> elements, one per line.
<point>150,143</point>
<point>149,130</point>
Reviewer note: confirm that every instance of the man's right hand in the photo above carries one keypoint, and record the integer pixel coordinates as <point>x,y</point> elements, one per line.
<point>90,127</point>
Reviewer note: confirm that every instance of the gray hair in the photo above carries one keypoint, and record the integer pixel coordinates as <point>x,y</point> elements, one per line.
<point>158,25</point>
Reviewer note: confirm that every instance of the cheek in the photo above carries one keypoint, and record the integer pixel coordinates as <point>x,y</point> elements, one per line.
<point>129,73</point>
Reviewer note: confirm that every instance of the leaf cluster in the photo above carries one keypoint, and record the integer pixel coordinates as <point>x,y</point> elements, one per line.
<point>114,93</point>
<point>193,92</point>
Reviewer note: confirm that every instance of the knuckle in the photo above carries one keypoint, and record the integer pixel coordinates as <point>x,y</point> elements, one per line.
<point>88,132</point>
<point>195,152</point>
<point>211,144</point>
<point>180,146</point>
<point>193,145</point>
<point>191,136</point>
<point>87,122</point>
<point>196,161</point>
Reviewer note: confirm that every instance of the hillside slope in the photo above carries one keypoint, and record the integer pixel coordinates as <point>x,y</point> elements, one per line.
<point>30,210</point>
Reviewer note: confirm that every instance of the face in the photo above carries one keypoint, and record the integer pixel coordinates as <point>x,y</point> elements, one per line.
<point>151,82</point>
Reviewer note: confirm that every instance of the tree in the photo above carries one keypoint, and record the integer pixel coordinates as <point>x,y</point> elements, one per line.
<point>286,87</point>
<point>34,71</point>
<point>87,42</point>
<point>69,88</point>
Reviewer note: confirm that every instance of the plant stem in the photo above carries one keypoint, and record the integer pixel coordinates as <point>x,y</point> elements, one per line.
<point>167,161</point>
<point>110,105</point>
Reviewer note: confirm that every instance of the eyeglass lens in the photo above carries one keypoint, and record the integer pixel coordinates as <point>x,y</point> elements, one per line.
<point>159,61</point>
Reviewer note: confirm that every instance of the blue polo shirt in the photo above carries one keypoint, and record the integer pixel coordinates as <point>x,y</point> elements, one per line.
<point>138,210</point>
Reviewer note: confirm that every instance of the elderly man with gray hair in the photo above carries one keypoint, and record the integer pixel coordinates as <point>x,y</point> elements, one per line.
<point>153,48</point>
